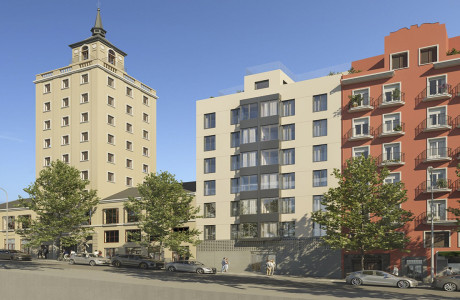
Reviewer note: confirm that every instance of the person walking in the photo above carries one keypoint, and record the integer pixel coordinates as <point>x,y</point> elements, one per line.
<point>223,265</point>
<point>45,252</point>
<point>449,271</point>
<point>226,265</point>
<point>272,268</point>
<point>40,254</point>
<point>395,270</point>
<point>268,267</point>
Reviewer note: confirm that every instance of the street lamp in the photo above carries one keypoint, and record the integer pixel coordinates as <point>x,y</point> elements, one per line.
<point>430,170</point>
<point>7,227</point>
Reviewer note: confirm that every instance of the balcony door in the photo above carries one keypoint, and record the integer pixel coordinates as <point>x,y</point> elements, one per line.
<point>437,148</point>
<point>392,152</point>
<point>437,85</point>
<point>436,116</point>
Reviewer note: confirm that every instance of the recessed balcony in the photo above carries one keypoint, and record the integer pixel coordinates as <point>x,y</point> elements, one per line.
<point>391,99</point>
<point>457,122</point>
<point>386,130</point>
<point>439,186</point>
<point>437,92</point>
<point>440,154</point>
<point>358,103</point>
<point>446,218</point>
<point>437,123</point>
<point>359,135</point>
<point>391,159</point>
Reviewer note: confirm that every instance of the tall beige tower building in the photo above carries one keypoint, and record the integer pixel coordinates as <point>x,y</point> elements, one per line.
<point>94,116</point>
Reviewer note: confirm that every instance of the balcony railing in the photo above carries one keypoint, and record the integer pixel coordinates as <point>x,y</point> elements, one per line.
<point>391,159</point>
<point>361,105</point>
<point>457,121</point>
<point>435,154</point>
<point>389,99</point>
<point>435,92</point>
<point>444,218</point>
<point>456,153</point>
<point>390,129</point>
<point>365,134</point>
<point>439,186</point>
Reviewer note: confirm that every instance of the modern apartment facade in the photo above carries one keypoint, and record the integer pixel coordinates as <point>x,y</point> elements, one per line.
<point>264,159</point>
<point>94,116</point>
<point>407,117</point>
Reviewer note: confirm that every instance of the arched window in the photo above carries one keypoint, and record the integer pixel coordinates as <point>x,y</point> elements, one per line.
<point>111,57</point>
<point>84,53</point>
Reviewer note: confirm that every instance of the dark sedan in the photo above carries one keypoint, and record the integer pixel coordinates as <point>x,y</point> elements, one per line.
<point>448,283</point>
<point>14,255</point>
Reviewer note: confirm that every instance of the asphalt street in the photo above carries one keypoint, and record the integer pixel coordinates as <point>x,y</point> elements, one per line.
<point>48,279</point>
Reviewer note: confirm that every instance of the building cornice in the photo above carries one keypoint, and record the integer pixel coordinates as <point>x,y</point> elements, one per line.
<point>447,63</point>
<point>368,77</point>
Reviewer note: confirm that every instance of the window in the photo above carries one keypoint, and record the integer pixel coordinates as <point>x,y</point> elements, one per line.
<point>269,230</point>
<point>269,181</point>
<point>248,207</point>
<point>210,165</point>
<point>210,210</point>
<point>361,151</point>
<point>84,156</point>
<point>65,140</point>
<point>269,157</point>
<point>65,121</point>
<point>84,117</point>
<point>393,178</point>
<point>110,101</point>
<point>129,163</point>
<point>209,187</point>
<point>248,230</point>
<point>318,230</point>
<point>319,153</point>
<point>65,102</point>
<point>145,151</point>
<point>248,183</point>
<point>234,208</point>
<point>363,96</point>
<point>235,139</point>
<point>234,231</point>
<point>437,117</point>
<point>209,232</point>
<point>288,108</point>
<point>145,117</point>
<point>47,125</point>
<point>248,111</point>
<point>133,235</point>
<point>129,146</point>
<point>129,110</point>
<point>65,158</point>
<point>210,120</point>
<point>437,86</point>
<point>391,123</point>
<point>110,81</point>
<point>47,143</point>
<point>428,55</point>
<point>438,179</point>
<point>10,222</point>
<point>47,106</point>
<point>110,215</point>
<point>84,137</point>
<point>110,177</point>
<point>269,108</point>
<point>235,116</point>
<point>129,128</point>
<point>391,152</point>
<point>268,205</point>
<point>249,135</point>
<point>129,92</point>
<point>319,178</point>
<point>145,134</point>
<point>235,185</point>
<point>145,100</point>
<point>25,221</point>
<point>319,102</point>
<point>288,229</point>
<point>391,93</point>
<point>110,139</point>
<point>261,84</point>
<point>145,168</point>
<point>437,148</point>
<point>131,216</point>
<point>399,60</point>
<point>441,239</point>
<point>110,120</point>
<point>84,53</point>
<point>288,181</point>
<point>111,236</point>
<point>65,83</point>
<point>269,133</point>
<point>84,78</point>
<point>47,161</point>
<point>84,175</point>
<point>320,128</point>
<point>248,159</point>
<point>288,156</point>
<point>111,57</point>
<point>360,127</point>
<point>234,162</point>
<point>47,88</point>
<point>110,158</point>
<point>288,132</point>
<point>439,210</point>
<point>209,143</point>
<point>129,181</point>
<point>288,205</point>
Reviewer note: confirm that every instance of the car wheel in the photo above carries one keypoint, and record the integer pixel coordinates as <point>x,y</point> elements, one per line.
<point>143,266</point>
<point>117,264</point>
<point>356,281</point>
<point>450,287</point>
<point>171,269</point>
<point>199,271</point>
<point>72,262</point>
<point>92,263</point>
<point>403,284</point>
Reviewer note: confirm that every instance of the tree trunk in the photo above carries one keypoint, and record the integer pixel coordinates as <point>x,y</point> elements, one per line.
<point>362,260</point>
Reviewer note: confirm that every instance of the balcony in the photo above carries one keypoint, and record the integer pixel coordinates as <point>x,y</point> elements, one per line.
<point>386,130</point>
<point>457,122</point>
<point>391,159</point>
<point>439,123</point>
<point>437,92</point>
<point>365,134</point>
<point>358,104</point>
<point>390,99</point>
<point>446,218</point>
<point>440,186</point>
<point>456,185</point>
<point>435,155</point>
<point>456,153</point>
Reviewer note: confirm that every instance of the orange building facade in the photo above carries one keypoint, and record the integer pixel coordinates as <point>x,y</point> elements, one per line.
<point>403,107</point>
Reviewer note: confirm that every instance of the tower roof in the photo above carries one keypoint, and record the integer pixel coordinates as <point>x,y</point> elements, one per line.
<point>98,29</point>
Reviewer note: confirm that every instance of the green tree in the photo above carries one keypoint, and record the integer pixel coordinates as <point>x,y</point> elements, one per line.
<point>363,212</point>
<point>62,203</point>
<point>456,211</point>
<point>162,206</point>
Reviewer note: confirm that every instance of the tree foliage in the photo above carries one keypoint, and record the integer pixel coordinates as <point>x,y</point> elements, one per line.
<point>363,213</point>
<point>62,203</point>
<point>456,211</point>
<point>164,205</point>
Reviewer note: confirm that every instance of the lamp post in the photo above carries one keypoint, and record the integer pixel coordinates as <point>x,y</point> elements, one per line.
<point>7,225</point>
<point>430,170</point>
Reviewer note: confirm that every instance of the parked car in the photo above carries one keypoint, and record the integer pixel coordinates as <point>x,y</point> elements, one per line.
<point>14,255</point>
<point>448,283</point>
<point>135,261</point>
<point>375,277</point>
<point>87,259</point>
<point>189,266</point>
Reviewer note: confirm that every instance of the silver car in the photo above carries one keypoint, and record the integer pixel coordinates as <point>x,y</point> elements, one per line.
<point>134,260</point>
<point>189,266</point>
<point>14,255</point>
<point>87,259</point>
<point>448,283</point>
<point>375,277</point>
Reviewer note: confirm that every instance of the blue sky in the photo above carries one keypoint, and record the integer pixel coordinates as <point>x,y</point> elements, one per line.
<point>186,50</point>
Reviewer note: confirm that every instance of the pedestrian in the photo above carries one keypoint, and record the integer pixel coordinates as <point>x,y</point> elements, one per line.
<point>268,267</point>
<point>449,271</point>
<point>272,268</point>
<point>100,253</point>
<point>45,252</point>
<point>40,254</point>
<point>226,265</point>
<point>223,265</point>
<point>395,270</point>
<point>96,253</point>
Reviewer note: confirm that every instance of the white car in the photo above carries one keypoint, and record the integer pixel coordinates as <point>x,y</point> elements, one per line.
<point>189,266</point>
<point>375,277</point>
<point>87,259</point>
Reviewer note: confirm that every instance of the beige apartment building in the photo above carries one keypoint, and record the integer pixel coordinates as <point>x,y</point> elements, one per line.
<point>264,159</point>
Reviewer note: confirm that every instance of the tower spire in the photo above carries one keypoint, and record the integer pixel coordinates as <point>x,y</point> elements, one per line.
<point>98,29</point>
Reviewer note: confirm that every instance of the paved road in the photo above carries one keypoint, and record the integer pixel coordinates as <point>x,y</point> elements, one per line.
<point>42,279</point>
